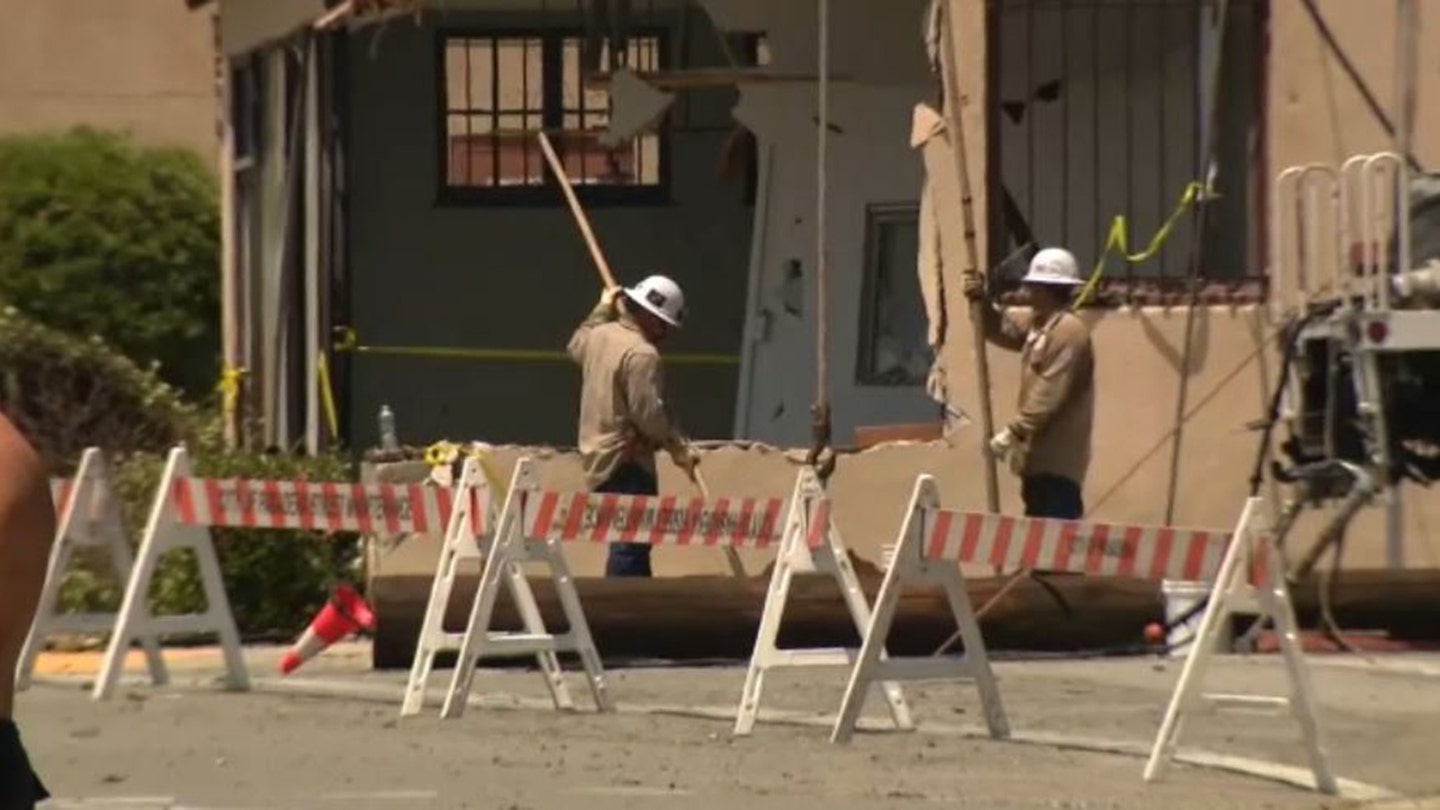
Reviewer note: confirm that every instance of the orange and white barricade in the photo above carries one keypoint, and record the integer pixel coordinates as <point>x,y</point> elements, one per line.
<point>88,515</point>
<point>933,542</point>
<point>535,525</point>
<point>465,539</point>
<point>529,530</point>
<point>186,508</point>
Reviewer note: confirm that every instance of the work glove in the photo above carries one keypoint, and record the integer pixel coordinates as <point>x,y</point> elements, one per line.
<point>972,285</point>
<point>1001,444</point>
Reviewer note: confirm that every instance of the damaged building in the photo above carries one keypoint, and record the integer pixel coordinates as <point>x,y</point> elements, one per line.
<point>393,236</point>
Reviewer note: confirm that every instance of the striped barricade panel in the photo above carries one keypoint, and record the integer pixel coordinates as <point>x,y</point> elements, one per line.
<point>657,520</point>
<point>1099,549</point>
<point>364,508</point>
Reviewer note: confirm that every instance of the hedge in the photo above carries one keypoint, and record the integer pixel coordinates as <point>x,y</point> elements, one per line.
<point>101,236</point>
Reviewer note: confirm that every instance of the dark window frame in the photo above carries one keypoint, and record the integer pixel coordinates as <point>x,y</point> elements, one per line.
<point>548,192</point>
<point>877,215</point>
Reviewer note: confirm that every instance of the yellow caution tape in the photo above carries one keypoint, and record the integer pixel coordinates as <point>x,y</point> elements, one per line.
<point>327,396</point>
<point>1119,238</point>
<point>349,342</point>
<point>229,388</point>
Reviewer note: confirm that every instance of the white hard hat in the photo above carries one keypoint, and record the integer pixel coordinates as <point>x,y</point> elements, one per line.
<point>1053,266</point>
<point>660,297</point>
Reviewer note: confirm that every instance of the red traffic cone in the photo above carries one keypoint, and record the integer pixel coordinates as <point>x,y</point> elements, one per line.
<point>345,613</point>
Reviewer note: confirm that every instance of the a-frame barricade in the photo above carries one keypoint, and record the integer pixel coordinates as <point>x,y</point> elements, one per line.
<point>467,535</point>
<point>1251,575</point>
<point>89,515</point>
<point>186,508</point>
<point>810,544</point>
<point>912,564</point>
<point>524,534</point>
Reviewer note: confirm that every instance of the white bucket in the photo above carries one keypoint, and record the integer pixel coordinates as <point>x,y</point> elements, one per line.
<point>1180,597</point>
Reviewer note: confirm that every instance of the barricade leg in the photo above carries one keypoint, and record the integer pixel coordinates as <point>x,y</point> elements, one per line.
<point>460,544</point>
<point>810,545</point>
<point>509,549</point>
<point>89,517</point>
<point>477,630</point>
<point>164,533</point>
<point>579,626</point>
<point>1274,603</point>
<point>908,565</point>
<point>534,624</point>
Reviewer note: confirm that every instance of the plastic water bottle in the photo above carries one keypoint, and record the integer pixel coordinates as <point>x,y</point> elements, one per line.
<point>388,440</point>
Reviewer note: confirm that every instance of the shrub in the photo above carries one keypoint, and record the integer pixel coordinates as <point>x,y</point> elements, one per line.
<point>99,236</point>
<point>276,580</point>
<point>67,394</point>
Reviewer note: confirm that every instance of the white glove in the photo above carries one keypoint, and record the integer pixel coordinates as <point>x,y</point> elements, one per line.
<point>1001,443</point>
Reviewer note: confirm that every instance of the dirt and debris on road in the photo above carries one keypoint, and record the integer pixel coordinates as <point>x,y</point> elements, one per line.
<point>194,747</point>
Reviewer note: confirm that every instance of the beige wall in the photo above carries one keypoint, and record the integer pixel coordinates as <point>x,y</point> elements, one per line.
<point>1316,113</point>
<point>143,66</point>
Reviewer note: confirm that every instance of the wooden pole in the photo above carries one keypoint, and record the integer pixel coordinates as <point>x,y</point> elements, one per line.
<point>737,568</point>
<point>580,219</point>
<point>950,79</point>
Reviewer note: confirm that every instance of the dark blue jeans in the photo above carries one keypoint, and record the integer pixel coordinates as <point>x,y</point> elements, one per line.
<point>629,559</point>
<point>20,788</point>
<point>1051,496</point>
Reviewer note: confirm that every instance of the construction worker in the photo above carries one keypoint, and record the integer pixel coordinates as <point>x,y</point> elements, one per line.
<point>623,419</point>
<point>27,527</point>
<point>1048,441</point>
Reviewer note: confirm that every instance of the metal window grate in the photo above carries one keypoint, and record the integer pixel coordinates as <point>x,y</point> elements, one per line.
<point>1096,112</point>
<point>500,90</point>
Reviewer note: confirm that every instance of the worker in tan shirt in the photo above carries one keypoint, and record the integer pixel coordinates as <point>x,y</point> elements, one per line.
<point>27,527</point>
<point>623,419</point>
<point>1048,440</point>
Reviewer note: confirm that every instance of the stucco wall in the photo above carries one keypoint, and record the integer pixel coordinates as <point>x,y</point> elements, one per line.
<point>515,277</point>
<point>1316,112</point>
<point>143,66</point>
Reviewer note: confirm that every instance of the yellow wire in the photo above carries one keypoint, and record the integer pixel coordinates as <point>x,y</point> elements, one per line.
<point>1119,239</point>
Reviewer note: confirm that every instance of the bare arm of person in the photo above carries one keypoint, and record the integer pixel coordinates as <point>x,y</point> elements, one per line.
<point>27,528</point>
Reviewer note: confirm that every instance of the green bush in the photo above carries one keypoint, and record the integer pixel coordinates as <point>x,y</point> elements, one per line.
<point>67,394</point>
<point>99,236</point>
<point>276,580</point>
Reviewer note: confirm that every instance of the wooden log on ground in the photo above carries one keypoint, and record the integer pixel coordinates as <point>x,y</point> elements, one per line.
<point>715,617</point>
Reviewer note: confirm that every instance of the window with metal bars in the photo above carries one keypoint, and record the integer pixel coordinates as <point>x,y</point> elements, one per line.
<point>500,89</point>
<point>1098,111</point>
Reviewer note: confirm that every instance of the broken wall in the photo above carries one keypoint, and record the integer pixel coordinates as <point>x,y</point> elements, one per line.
<point>1139,357</point>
